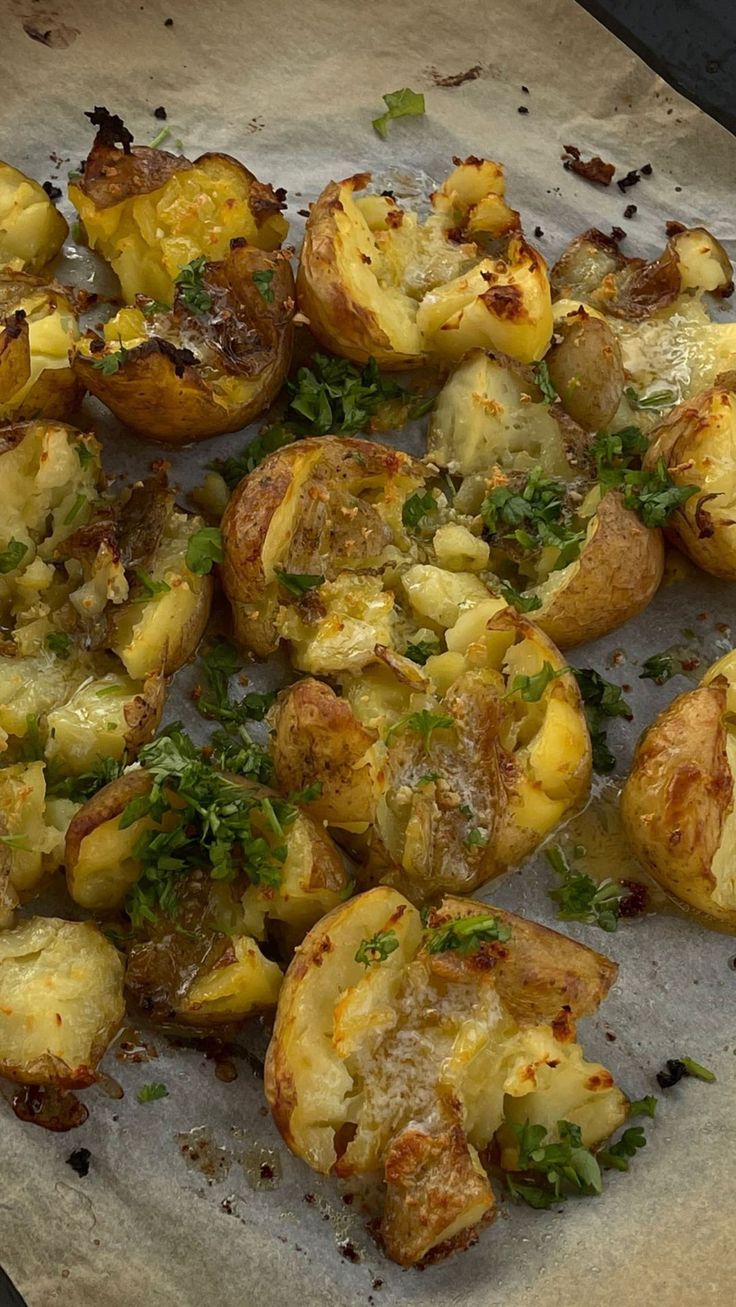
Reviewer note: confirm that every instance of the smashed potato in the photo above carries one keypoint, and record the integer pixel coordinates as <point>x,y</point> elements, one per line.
<point>149,213</point>
<point>438,779</point>
<point>375,282</point>
<point>61,1001</point>
<point>32,231</point>
<point>39,333</point>
<point>677,805</point>
<point>211,364</point>
<point>697,442</point>
<point>401,1055</point>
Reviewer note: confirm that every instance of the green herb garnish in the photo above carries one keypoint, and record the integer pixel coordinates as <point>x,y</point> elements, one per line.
<point>377,948</point>
<point>149,1093</point>
<point>618,1156</point>
<point>646,1106</point>
<point>656,399</point>
<point>298,583</point>
<point>543,380</point>
<point>14,552</point>
<point>560,1167</point>
<point>232,470</point>
<point>658,668</point>
<point>476,838</point>
<point>204,549</point>
<point>59,644</point>
<point>75,509</point>
<point>84,454</point>
<point>425,723</point>
<point>465,935</point>
<point>262,279</point>
<point>160,137</point>
<point>108,364</point>
<point>399,104</point>
<point>531,688</point>
<point>150,587</point>
<point>421,650</point>
<point>80,788</point>
<point>190,287</point>
<point>416,507</point>
<point>580,898</point>
<point>602,700</point>
<point>693,1068</point>
<point>534,518</point>
<point>523,603</point>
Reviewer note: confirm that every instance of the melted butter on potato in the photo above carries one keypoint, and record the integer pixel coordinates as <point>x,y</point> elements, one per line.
<point>406,1067</point>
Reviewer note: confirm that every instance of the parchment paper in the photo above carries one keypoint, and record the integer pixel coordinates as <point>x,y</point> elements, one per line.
<point>291,87</point>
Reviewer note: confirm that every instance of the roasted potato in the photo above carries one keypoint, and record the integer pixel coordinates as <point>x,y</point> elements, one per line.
<point>208,365</point>
<point>439,779</point>
<point>585,367</point>
<point>47,387</point>
<point>32,231</point>
<point>398,1057</point>
<point>697,442</point>
<point>677,805</point>
<point>61,1001</point>
<point>33,844</point>
<point>149,213</point>
<point>329,508</point>
<point>375,282</point>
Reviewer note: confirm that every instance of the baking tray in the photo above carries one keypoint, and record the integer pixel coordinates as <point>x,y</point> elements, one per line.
<point>194,1196</point>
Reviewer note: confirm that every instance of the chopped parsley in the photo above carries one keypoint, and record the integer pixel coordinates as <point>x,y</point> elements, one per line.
<point>59,644</point>
<point>646,1106</point>
<point>618,1156</point>
<point>149,1093</point>
<point>656,399</point>
<point>75,509</point>
<point>558,1168</point>
<point>233,469</point>
<point>13,554</point>
<point>399,104</point>
<point>80,788</point>
<point>16,842</point>
<point>421,650</point>
<point>580,898</point>
<point>232,749</point>
<point>204,549</point>
<point>676,1068</point>
<point>658,668</point>
<point>149,587</point>
<point>377,948</point>
<point>476,838</point>
<point>651,493</point>
<point>110,363</point>
<point>262,279</point>
<point>544,381</point>
<point>427,778</point>
<point>523,603</point>
<point>465,935</point>
<point>416,507</point>
<point>424,723</point>
<point>84,454</point>
<point>534,517</point>
<point>220,662</point>
<point>298,583</point>
<point>190,287</point>
<point>308,794</point>
<point>617,450</point>
<point>531,688</point>
<point>601,700</point>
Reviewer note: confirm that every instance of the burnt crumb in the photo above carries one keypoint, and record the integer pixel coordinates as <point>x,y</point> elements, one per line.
<point>111,128</point>
<point>672,1072</point>
<point>160,113</point>
<point>227,1207</point>
<point>310,1199</point>
<point>538,232</point>
<point>389,195</point>
<point>455,79</point>
<point>646,170</point>
<point>168,22</point>
<point>349,1252</point>
<point>610,1037</point>
<point>636,901</point>
<point>678,188</point>
<point>303,213</point>
<point>377,1284</point>
<point>633,177</point>
<point>618,234</point>
<point>630,210</point>
<point>266,1171</point>
<point>79,1161</point>
<point>525,89</point>
<point>348,1199</point>
<point>522,109</point>
<point>732,963</point>
<point>53,192</point>
<point>592,170</point>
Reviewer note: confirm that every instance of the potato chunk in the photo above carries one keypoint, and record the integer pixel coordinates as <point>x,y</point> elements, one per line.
<point>32,231</point>
<point>61,1001</point>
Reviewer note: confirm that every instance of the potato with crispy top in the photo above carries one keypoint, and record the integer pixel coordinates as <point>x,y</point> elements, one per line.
<point>375,282</point>
<point>32,231</point>
<point>211,364</point>
<point>61,1001</point>
<point>677,805</point>
<point>43,340</point>
<point>402,1053</point>
<point>149,213</point>
<point>439,778</point>
<point>697,442</point>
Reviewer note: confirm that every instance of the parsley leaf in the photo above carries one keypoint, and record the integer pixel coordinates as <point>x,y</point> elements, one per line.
<point>75,509</point>
<point>399,104</point>
<point>658,668</point>
<point>149,587</point>
<point>617,450</point>
<point>601,700</point>
<point>476,838</point>
<point>465,935</point>
<point>149,1093</point>
<point>308,794</point>
<point>646,1106</point>
<point>12,555</point>
<point>531,688</point>
<point>651,493</point>
<point>425,723</point>
<point>231,749</point>
<point>421,650</point>
<point>699,1072</point>
<point>108,364</point>
<point>544,381</point>
<point>59,644</point>
<point>219,663</point>
<point>564,1166</point>
<point>523,603</point>
<point>79,788</point>
<point>377,948</point>
<point>655,399</point>
<point>84,454</point>
<point>580,898</point>
<point>204,549</point>
<point>534,517</point>
<point>677,1067</point>
<point>427,778</point>
<point>335,396</point>
<point>298,583</point>
<point>618,1156</point>
<point>416,507</point>
<point>190,288</point>
<point>262,279</point>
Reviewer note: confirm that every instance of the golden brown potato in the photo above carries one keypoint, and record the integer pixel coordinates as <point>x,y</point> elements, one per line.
<point>318,508</point>
<point>438,780</point>
<point>35,844</point>
<point>399,1054</point>
<point>375,282</point>
<point>677,805</point>
<point>208,365</point>
<point>47,387</point>
<point>15,355</point>
<point>594,269</point>
<point>149,213</point>
<point>61,1001</point>
<point>697,442</point>
<point>32,231</point>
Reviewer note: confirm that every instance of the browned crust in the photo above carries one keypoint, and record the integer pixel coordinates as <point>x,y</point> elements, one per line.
<point>678,795</point>
<point>143,713</point>
<point>619,573</point>
<point>15,356</point>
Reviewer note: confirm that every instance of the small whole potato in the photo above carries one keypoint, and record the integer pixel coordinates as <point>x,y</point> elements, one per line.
<point>586,369</point>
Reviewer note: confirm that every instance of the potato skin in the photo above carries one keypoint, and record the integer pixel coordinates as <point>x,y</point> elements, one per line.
<point>56,393</point>
<point>698,444</point>
<point>616,576</point>
<point>586,369</point>
<point>163,398</point>
<point>678,795</point>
